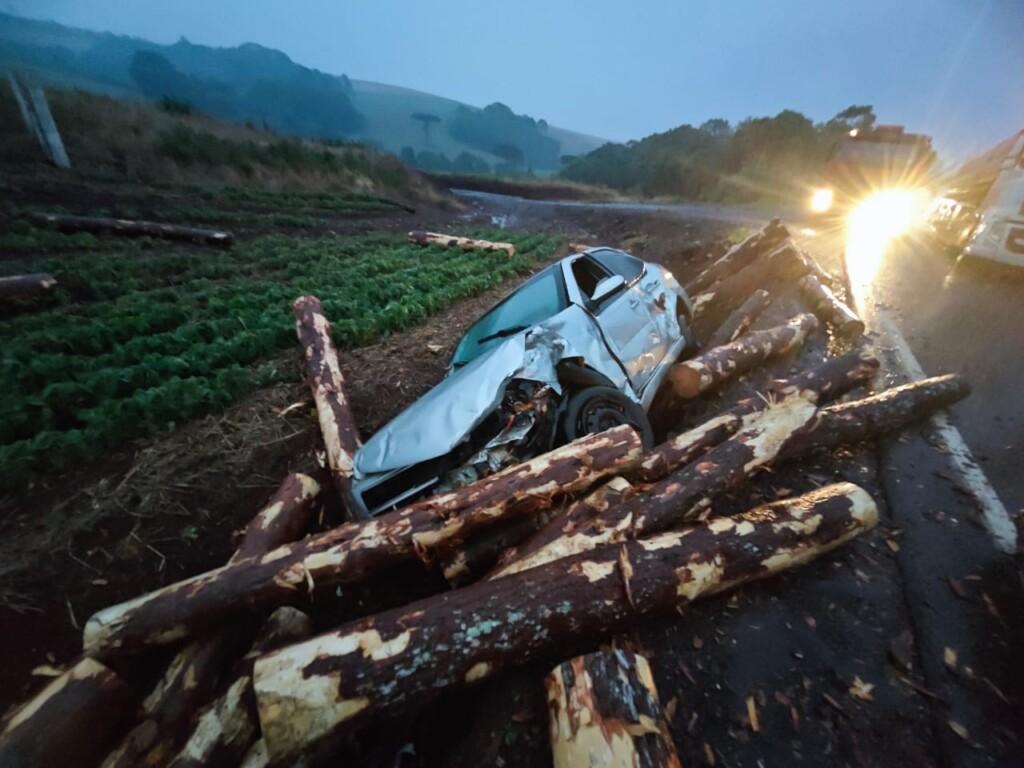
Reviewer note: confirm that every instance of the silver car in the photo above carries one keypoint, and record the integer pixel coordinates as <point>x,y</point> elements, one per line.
<point>580,347</point>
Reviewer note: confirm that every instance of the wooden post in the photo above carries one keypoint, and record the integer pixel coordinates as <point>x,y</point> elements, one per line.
<point>326,687</point>
<point>740,320</point>
<point>463,243</point>
<point>323,373</point>
<point>829,309</point>
<point>712,368</point>
<point>355,552</point>
<point>99,225</point>
<point>604,711</point>
<point>739,256</point>
<point>69,722</point>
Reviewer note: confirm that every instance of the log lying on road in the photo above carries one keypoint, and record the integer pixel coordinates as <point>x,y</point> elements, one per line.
<point>712,368</point>
<point>326,382</point>
<point>196,671</point>
<point>69,722</point>
<point>740,255</point>
<point>23,286</point>
<point>354,552</point>
<point>740,320</point>
<point>463,243</point>
<point>97,225</point>
<point>401,659</point>
<point>829,309</point>
<point>604,711</point>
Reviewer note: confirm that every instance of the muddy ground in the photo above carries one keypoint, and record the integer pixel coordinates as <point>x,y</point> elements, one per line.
<point>164,509</point>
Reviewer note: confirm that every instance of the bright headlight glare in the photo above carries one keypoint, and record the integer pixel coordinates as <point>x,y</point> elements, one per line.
<point>821,200</point>
<point>888,213</point>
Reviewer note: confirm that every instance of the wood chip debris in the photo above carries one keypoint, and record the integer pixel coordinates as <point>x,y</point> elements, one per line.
<point>861,690</point>
<point>755,724</point>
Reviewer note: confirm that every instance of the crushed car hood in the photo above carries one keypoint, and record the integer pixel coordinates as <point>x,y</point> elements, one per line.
<point>441,419</point>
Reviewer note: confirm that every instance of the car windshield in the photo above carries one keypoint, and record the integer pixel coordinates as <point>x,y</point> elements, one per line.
<point>541,297</point>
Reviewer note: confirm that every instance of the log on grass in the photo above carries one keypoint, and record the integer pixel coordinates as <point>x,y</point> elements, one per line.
<point>604,711</point>
<point>323,373</point>
<point>357,551</point>
<point>740,321</point>
<point>98,225</point>
<point>310,693</point>
<point>714,367</point>
<point>197,670</point>
<point>740,255</point>
<point>226,728</point>
<point>462,243</point>
<point>69,722</point>
<point>24,286</point>
<point>829,309</point>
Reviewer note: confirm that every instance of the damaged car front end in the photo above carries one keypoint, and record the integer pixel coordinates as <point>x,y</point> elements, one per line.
<point>581,346</point>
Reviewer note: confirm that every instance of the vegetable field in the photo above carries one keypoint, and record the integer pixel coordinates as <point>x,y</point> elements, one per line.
<point>144,336</point>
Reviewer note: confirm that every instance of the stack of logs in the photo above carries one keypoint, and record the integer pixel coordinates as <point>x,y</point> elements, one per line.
<point>563,550</point>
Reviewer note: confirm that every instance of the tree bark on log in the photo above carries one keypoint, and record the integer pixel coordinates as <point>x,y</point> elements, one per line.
<point>740,255</point>
<point>604,711</point>
<point>714,367</point>
<point>97,225</point>
<point>740,321</point>
<point>462,243</point>
<point>22,286</point>
<point>355,551</point>
<point>779,268</point>
<point>196,671</point>
<point>326,382</point>
<point>326,687</point>
<point>69,722</point>
<point>829,309</point>
<point>226,728</point>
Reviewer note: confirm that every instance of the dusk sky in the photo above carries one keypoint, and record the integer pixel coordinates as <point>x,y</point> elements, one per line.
<point>624,70</point>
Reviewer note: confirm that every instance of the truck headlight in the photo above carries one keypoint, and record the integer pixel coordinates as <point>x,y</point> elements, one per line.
<point>821,200</point>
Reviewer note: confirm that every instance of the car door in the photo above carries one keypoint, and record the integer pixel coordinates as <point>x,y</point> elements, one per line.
<point>623,317</point>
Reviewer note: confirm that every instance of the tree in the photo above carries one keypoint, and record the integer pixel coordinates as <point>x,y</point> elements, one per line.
<point>716,127</point>
<point>408,156</point>
<point>426,119</point>
<point>511,154</point>
<point>861,117</point>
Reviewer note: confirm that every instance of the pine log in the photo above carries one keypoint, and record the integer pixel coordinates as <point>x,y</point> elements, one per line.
<point>197,670</point>
<point>354,552</point>
<point>70,722</point>
<point>776,270</point>
<point>829,309</point>
<point>683,496</point>
<point>310,693</point>
<point>714,367</point>
<point>323,373</point>
<point>226,729</point>
<point>740,321</point>
<point>97,225</point>
<point>604,711</point>
<point>257,756</point>
<point>740,255</point>
<point>22,286</point>
<point>462,243</point>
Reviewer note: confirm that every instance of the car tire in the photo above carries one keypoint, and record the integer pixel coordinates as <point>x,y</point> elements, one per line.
<point>596,409</point>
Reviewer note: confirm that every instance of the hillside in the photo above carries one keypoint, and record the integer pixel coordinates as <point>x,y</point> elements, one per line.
<point>263,86</point>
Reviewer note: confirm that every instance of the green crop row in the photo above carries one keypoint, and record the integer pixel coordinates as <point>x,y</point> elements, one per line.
<point>175,333</point>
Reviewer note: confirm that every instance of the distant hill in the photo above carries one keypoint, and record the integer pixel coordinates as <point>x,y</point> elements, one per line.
<point>263,86</point>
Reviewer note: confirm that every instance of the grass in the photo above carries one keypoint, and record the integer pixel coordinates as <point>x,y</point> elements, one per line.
<point>140,340</point>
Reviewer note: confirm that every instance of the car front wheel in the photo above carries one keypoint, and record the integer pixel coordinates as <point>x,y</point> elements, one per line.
<point>596,409</point>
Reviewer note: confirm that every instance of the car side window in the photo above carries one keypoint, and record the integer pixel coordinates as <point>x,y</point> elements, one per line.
<point>588,274</point>
<point>620,263</point>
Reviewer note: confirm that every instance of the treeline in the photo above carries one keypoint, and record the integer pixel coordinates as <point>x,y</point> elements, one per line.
<point>763,157</point>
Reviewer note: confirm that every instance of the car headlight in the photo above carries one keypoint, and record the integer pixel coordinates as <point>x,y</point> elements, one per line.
<point>821,200</point>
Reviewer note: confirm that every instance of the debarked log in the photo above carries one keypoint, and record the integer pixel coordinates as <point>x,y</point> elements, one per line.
<point>353,552</point>
<point>69,722</point>
<point>715,366</point>
<point>604,711</point>
<point>311,692</point>
<point>196,671</point>
<point>22,286</point>
<point>326,382</point>
<point>462,243</point>
<point>740,255</point>
<point>98,225</point>
<point>740,321</point>
<point>829,309</point>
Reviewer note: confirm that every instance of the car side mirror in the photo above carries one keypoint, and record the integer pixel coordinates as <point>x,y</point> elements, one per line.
<point>607,287</point>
